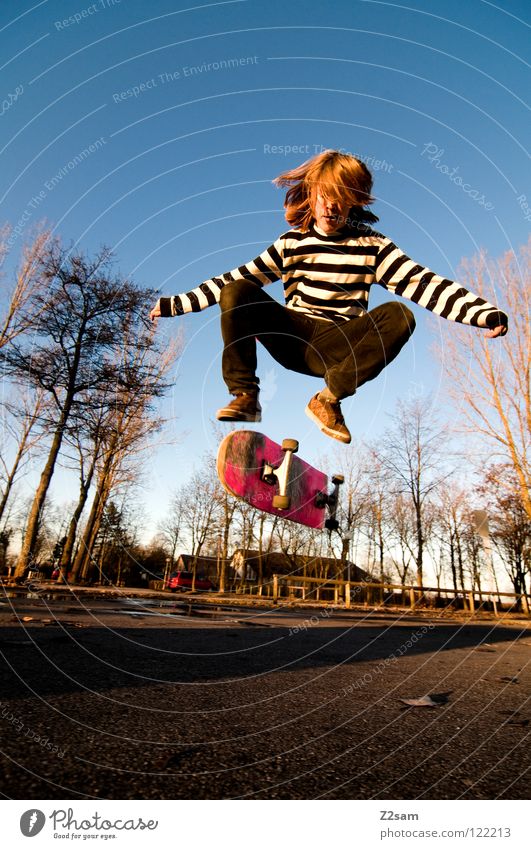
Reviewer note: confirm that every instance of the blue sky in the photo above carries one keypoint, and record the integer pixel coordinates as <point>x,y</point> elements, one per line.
<point>189,111</point>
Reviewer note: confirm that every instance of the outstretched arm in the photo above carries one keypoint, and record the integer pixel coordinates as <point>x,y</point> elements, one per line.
<point>399,274</point>
<point>263,270</point>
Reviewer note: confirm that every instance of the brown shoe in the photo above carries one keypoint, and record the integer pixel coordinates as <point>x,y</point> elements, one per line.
<point>244,408</point>
<point>327,415</point>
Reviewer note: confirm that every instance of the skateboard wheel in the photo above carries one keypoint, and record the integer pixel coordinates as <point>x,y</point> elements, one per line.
<point>337,479</point>
<point>290,445</point>
<point>281,502</point>
<point>321,500</point>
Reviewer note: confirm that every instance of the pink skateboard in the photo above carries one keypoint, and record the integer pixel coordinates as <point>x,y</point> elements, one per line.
<point>271,478</point>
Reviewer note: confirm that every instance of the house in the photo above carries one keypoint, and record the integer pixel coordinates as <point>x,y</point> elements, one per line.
<point>205,567</point>
<point>245,566</point>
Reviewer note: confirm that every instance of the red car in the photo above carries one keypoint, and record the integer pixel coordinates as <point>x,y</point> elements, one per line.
<point>184,580</point>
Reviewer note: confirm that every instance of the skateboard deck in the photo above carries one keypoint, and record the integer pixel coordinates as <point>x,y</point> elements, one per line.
<point>241,458</point>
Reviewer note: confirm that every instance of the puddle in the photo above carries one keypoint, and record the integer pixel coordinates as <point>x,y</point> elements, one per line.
<point>174,610</point>
<point>49,595</point>
<point>185,608</point>
<point>139,607</point>
<point>189,614</point>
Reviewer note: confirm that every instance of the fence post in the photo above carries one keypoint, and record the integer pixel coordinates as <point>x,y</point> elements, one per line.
<point>471,602</point>
<point>347,594</point>
<point>412,598</point>
<point>275,588</point>
<point>525,603</point>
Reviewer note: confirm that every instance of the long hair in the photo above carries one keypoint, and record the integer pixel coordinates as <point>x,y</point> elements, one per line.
<point>338,176</point>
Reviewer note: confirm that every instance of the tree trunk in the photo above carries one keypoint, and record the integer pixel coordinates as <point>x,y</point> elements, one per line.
<point>260,575</point>
<point>227,516</point>
<point>66,557</point>
<point>11,478</point>
<point>452,563</point>
<point>24,445</point>
<point>420,544</point>
<point>81,563</point>
<point>32,527</point>
<point>381,546</point>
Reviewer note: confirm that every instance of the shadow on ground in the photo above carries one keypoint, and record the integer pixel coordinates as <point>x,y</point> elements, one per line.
<point>277,706</point>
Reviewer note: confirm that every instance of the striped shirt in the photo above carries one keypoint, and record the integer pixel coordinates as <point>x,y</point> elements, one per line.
<point>330,276</point>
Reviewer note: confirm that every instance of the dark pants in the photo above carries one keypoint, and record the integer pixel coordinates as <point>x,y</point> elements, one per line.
<point>346,355</point>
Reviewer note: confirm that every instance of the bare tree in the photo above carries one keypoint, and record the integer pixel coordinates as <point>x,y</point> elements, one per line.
<point>171,526</point>
<point>28,285</point>
<point>415,453</point>
<point>5,539</point>
<point>353,506</point>
<point>452,526</point>
<point>75,320</point>
<point>510,525</point>
<point>129,426</point>
<point>378,507</point>
<point>265,543</point>
<point>21,425</point>
<point>86,467</point>
<point>200,511</point>
<point>226,507</point>
<point>491,379</point>
<point>402,537</point>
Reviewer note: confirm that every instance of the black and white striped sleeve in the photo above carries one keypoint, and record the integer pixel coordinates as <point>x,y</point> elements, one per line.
<point>263,270</point>
<point>399,274</point>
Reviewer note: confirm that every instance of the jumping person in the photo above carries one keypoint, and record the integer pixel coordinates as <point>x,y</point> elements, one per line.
<point>327,263</point>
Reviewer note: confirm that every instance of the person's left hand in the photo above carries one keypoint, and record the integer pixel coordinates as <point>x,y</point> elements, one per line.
<point>501,330</point>
<point>155,312</point>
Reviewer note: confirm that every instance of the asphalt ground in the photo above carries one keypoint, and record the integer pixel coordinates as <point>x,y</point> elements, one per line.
<point>146,699</point>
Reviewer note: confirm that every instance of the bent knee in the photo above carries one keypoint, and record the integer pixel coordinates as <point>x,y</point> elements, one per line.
<point>407,317</point>
<point>401,316</point>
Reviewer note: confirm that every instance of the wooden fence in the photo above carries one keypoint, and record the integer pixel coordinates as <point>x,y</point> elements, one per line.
<point>339,591</point>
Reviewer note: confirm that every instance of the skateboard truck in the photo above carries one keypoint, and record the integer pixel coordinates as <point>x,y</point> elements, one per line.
<point>280,475</point>
<point>330,500</point>
<point>272,475</point>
